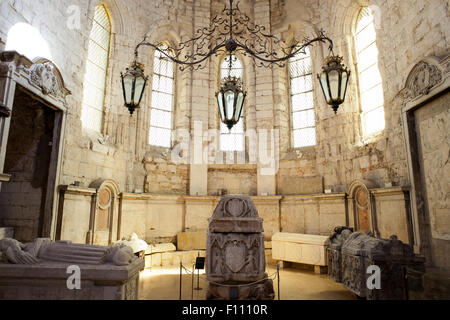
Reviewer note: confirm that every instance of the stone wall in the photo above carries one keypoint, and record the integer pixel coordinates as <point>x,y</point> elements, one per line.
<point>118,151</point>
<point>232,179</point>
<point>409,31</point>
<point>158,218</point>
<point>340,155</point>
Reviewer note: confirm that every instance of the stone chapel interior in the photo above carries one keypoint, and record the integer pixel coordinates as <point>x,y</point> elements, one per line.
<point>76,166</point>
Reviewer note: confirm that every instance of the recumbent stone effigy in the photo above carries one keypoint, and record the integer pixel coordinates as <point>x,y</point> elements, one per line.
<point>39,271</point>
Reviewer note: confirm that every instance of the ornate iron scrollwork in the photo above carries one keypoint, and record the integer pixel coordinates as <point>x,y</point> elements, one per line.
<point>232,32</point>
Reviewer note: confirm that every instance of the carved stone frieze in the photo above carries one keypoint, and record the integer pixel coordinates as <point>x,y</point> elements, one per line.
<point>41,73</point>
<point>424,77</point>
<point>236,257</point>
<point>45,76</point>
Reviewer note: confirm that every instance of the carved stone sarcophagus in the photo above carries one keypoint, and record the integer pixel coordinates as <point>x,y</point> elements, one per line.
<point>390,256</point>
<point>334,253</point>
<point>235,252</point>
<point>49,270</point>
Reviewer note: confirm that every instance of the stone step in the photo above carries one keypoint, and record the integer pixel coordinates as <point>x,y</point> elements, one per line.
<point>167,259</point>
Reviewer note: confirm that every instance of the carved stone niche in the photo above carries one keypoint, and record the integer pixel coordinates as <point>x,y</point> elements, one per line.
<point>393,258</point>
<point>103,226</point>
<point>361,209</point>
<point>235,252</point>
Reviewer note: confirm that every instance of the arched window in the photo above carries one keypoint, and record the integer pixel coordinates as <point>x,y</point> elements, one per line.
<point>302,100</point>
<point>96,66</point>
<point>370,83</point>
<point>234,139</point>
<point>28,41</point>
<point>161,114</point>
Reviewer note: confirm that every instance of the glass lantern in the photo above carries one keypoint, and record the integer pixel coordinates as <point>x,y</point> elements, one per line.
<point>334,81</point>
<point>230,100</point>
<point>134,82</point>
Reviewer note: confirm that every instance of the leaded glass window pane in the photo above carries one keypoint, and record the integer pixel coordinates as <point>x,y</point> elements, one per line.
<point>302,100</point>
<point>161,114</point>
<point>96,66</point>
<point>370,82</point>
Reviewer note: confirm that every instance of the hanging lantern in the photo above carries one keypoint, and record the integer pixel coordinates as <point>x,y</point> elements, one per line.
<point>230,100</point>
<point>134,82</point>
<point>334,81</point>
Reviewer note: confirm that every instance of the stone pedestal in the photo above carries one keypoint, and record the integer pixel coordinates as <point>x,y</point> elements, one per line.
<point>235,252</point>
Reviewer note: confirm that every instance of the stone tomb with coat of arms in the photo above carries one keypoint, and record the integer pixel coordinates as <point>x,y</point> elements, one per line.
<point>235,252</point>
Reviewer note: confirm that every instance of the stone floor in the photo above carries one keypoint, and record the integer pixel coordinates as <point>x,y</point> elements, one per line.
<point>163,284</point>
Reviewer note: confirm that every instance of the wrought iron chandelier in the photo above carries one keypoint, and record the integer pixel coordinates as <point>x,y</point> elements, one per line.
<point>233,32</point>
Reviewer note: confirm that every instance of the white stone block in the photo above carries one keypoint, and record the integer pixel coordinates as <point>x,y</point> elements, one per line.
<point>299,248</point>
<point>160,248</point>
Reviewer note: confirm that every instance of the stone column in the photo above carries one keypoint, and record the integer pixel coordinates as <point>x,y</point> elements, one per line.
<point>7,91</point>
<point>199,110</point>
<point>264,112</point>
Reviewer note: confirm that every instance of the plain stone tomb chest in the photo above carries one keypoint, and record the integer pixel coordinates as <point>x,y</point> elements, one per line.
<point>300,248</point>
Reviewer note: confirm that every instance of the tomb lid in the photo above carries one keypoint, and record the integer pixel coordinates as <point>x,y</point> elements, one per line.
<point>300,238</point>
<point>236,214</point>
<point>365,245</point>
